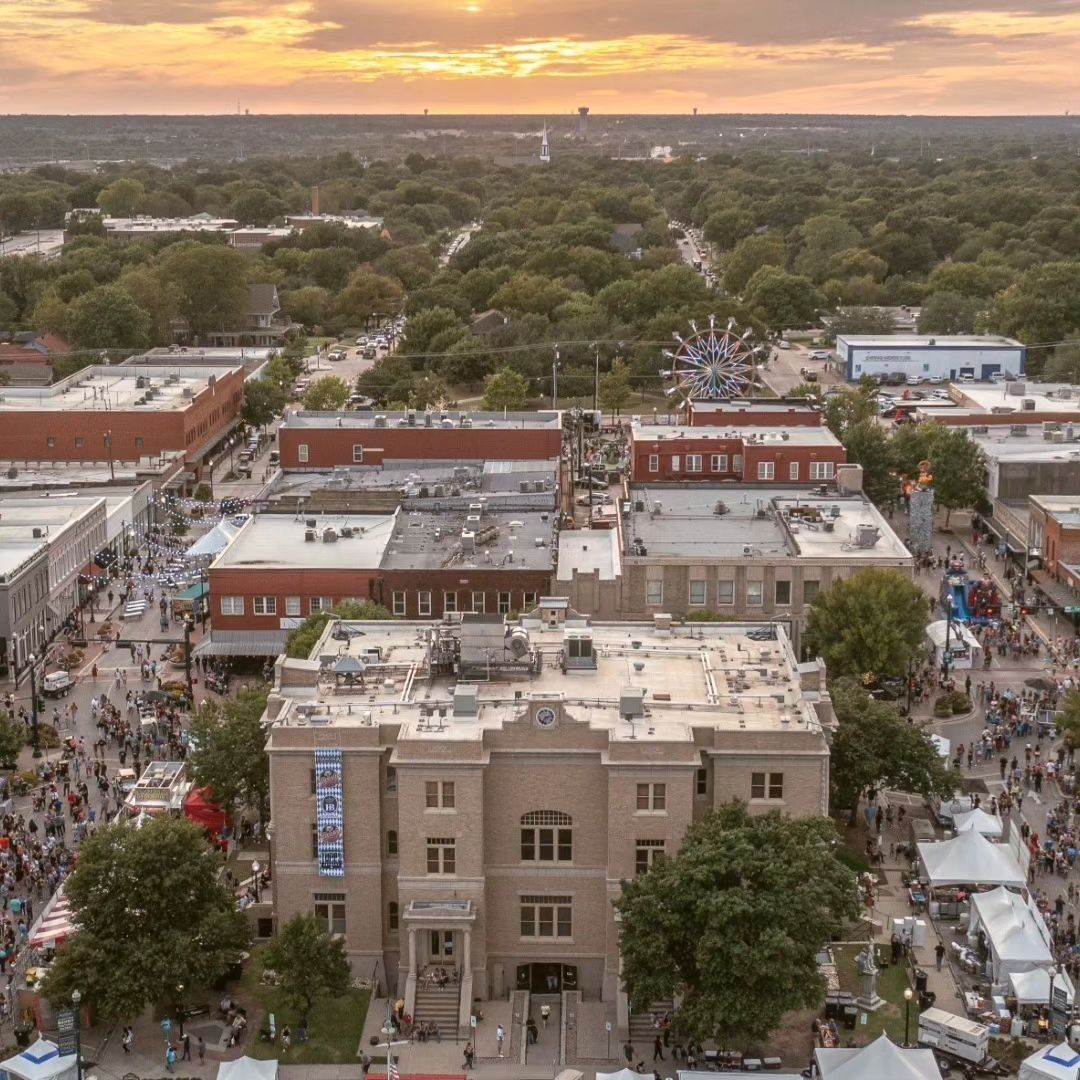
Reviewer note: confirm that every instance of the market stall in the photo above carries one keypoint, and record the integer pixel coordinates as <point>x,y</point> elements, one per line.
<point>970,859</point>
<point>1016,937</point>
<point>1033,987</point>
<point>882,1059</point>
<point>199,806</point>
<point>55,924</point>
<point>41,1061</point>
<point>1059,1062</point>
<point>161,789</point>
<point>190,603</point>
<point>980,821</point>
<point>246,1068</point>
<point>964,648</point>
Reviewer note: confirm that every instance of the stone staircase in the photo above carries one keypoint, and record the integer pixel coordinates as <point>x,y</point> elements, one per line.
<point>439,1005</point>
<point>642,1030</point>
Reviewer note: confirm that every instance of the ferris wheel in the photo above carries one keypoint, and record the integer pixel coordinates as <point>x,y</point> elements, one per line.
<point>713,364</point>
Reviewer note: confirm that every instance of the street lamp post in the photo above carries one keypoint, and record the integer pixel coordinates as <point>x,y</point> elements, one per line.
<point>256,866</point>
<point>1050,999</point>
<point>180,1007</point>
<point>908,995</point>
<point>76,998</point>
<point>35,739</point>
<point>388,1033</point>
<point>947,656</point>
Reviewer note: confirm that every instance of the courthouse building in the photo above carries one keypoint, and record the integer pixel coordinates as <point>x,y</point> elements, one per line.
<point>471,793</point>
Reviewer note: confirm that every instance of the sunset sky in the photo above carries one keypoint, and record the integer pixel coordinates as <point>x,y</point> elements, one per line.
<point>496,56</point>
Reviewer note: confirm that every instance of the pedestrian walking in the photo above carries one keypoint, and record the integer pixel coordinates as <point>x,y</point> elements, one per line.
<point>939,953</point>
<point>500,1034</point>
<point>628,1053</point>
<point>186,1055</point>
<point>170,1058</point>
<point>658,1049</point>
<point>127,1039</point>
<point>202,1049</point>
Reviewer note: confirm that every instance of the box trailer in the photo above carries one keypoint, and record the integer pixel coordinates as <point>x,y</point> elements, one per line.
<point>954,1035</point>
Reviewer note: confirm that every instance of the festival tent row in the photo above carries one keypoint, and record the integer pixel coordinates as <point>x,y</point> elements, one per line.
<point>55,924</point>
<point>247,1068</point>
<point>1016,935</point>
<point>1033,987</point>
<point>979,820</point>
<point>41,1061</point>
<point>970,859</point>
<point>1060,1062</point>
<point>882,1059</point>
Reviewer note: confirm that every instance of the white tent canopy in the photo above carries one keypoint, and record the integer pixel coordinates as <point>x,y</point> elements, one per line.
<point>881,1059</point>
<point>980,821</point>
<point>215,541</point>
<point>1015,932</point>
<point>970,859</point>
<point>42,1061</point>
<point>1051,1063</point>
<point>247,1068</point>
<point>1033,987</point>
<point>622,1074</point>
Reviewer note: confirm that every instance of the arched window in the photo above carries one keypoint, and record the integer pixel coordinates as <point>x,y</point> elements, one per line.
<point>547,836</point>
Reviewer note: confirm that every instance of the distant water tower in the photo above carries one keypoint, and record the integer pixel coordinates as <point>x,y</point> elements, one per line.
<point>583,122</point>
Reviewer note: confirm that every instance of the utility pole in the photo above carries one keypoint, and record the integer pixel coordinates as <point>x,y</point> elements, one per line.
<point>555,381</point>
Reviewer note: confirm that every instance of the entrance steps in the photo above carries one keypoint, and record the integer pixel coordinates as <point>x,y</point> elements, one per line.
<point>439,1005</point>
<point>643,1029</point>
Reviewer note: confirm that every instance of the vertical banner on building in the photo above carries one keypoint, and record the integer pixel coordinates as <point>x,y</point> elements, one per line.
<point>330,813</point>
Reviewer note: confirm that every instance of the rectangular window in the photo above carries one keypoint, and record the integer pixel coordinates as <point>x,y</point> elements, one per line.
<point>232,605</point>
<point>79,440</point>
<point>529,601</point>
<point>547,917</point>
<point>357,454</point>
<point>292,605</point>
<point>264,605</point>
<point>654,463</point>
<point>392,917</point>
<point>654,593</point>
<point>314,841</point>
<point>646,854</point>
<point>391,842</point>
<point>719,463</point>
<point>822,470</point>
<point>767,785</point>
<point>504,603</point>
<point>441,855</point>
<point>766,470</point>
<point>652,797</point>
<point>701,782</point>
<point>138,442</point>
<point>793,470</point>
<point>423,602</point>
<point>330,910</point>
<point>783,593</point>
<point>302,453</point>
<point>478,603</point>
<point>697,592</point>
<point>391,780</point>
<point>693,463</point>
<point>449,602</point>
<point>50,440</point>
<point>725,591</point>
<point>399,603</point>
<point>736,464</point>
<point>439,794</point>
<point>675,461</point>
<point>755,593</point>
<point>320,603</point>
<point>810,589</point>
<point>547,842</point>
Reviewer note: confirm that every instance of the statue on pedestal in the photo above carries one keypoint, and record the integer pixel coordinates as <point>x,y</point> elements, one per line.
<point>868,996</point>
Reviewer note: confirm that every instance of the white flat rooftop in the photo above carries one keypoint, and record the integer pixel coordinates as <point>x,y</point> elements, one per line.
<point>20,516</point>
<point>803,435</point>
<point>930,341</point>
<point>712,675</point>
<point>1048,397</point>
<point>102,389</point>
<point>281,541</point>
<point>589,551</point>
<point>478,421</point>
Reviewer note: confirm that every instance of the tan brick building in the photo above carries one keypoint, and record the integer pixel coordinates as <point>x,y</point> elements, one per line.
<point>484,787</point>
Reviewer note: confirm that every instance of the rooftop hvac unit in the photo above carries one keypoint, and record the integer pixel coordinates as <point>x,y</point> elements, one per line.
<point>380,420</point>
<point>140,382</point>
<point>632,703</point>
<point>834,510</point>
<point>446,422</point>
<point>37,533</point>
<point>309,536</point>
<point>473,520</point>
<point>658,507</point>
<point>468,540</point>
<point>1018,429</point>
<point>1057,436</point>
<point>523,486</point>
<point>1064,392</point>
<point>187,393</point>
<point>12,473</point>
<point>538,485</point>
<point>440,491</point>
<point>1047,427</point>
<point>329,535</point>
<point>639,506</point>
<point>410,418</point>
<point>347,533</point>
<point>866,535</point>
<point>981,429</point>
<point>1016,389</point>
<point>1028,404</point>
<point>467,422</point>
<point>310,523</point>
<point>829,526</point>
<point>427,418</point>
<point>540,542</point>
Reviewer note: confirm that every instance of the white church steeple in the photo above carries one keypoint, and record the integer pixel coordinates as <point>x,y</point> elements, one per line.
<point>545,152</point>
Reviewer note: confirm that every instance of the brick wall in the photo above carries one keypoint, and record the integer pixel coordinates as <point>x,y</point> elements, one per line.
<point>739,460</point>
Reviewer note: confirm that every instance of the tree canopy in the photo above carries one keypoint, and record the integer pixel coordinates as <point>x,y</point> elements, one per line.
<point>311,962</point>
<point>733,923</point>
<point>301,641</point>
<point>329,392</point>
<point>506,389</point>
<point>148,903</point>
<point>873,622</point>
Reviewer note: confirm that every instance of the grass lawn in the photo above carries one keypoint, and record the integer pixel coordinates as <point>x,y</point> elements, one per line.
<point>891,983</point>
<point>335,1025</point>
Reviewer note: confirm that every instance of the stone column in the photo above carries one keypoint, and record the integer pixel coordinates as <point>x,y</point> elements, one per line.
<point>410,981</point>
<point>466,976</point>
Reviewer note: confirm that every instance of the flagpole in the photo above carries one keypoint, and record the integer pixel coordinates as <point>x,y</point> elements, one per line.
<point>388,1032</point>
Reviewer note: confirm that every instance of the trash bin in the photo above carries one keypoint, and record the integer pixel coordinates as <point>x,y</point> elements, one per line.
<point>22,1035</point>
<point>921,979</point>
<point>851,1016</point>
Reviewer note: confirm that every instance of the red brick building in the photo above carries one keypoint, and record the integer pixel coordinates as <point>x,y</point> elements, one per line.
<point>279,569</point>
<point>746,412</point>
<point>661,453</point>
<point>323,440</point>
<point>121,414</point>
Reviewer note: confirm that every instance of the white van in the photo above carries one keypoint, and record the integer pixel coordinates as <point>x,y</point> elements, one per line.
<point>57,684</point>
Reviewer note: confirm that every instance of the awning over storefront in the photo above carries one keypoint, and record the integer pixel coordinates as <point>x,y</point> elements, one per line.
<point>1017,545</point>
<point>1056,592</point>
<point>242,643</point>
<point>194,592</point>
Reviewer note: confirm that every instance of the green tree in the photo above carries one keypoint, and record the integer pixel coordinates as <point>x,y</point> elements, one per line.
<point>616,392</point>
<point>732,925</point>
<point>423,330</point>
<point>506,389</point>
<point>210,284</point>
<point>108,318</point>
<point>859,320</point>
<point>310,960</point>
<point>329,392</point>
<point>229,751</point>
<point>153,893</point>
<point>263,400</point>
<point>749,256</point>
<point>306,306</point>
<point>950,313</point>
<point>12,740</point>
<point>122,197</point>
<point>852,405</point>
<point>868,445</point>
<point>302,640</point>
<point>959,472</point>
<point>366,296</point>
<point>1042,306</point>
<point>1068,719</point>
<point>281,372</point>
<point>725,228</point>
<point>781,300</point>
<point>874,746</point>
<point>391,379</point>
<point>1064,364</point>
<point>872,622</point>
